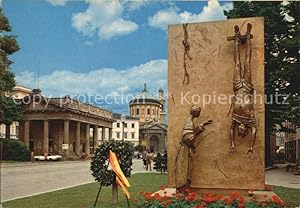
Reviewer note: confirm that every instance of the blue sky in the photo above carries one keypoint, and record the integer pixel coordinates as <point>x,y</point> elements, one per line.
<point>98,46</point>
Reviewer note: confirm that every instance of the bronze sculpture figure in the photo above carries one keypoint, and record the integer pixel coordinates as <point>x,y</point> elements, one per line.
<point>187,148</point>
<point>186,45</point>
<point>243,118</point>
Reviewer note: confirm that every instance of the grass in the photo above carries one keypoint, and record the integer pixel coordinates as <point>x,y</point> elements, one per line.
<point>84,196</point>
<point>289,195</point>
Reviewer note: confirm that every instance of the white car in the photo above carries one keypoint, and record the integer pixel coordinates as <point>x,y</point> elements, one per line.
<point>50,157</point>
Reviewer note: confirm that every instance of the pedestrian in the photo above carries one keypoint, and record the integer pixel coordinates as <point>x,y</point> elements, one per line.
<point>144,157</point>
<point>149,158</point>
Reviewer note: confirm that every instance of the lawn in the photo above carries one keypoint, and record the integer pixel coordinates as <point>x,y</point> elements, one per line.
<point>84,196</point>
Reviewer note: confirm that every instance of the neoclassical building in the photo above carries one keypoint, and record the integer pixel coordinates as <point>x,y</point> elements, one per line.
<point>151,114</point>
<point>62,125</point>
<point>18,92</point>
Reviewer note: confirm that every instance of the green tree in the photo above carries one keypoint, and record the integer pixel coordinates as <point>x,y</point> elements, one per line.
<point>281,59</point>
<point>9,111</point>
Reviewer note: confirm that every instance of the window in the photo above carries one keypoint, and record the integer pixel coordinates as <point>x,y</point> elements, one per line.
<point>137,111</point>
<point>132,125</point>
<point>148,111</point>
<point>153,112</point>
<point>118,125</point>
<point>125,135</point>
<point>118,135</point>
<point>125,125</point>
<point>17,130</point>
<point>132,135</point>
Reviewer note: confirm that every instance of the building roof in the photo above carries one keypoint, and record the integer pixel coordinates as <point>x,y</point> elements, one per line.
<point>118,116</point>
<point>66,103</point>
<point>144,97</point>
<point>21,88</point>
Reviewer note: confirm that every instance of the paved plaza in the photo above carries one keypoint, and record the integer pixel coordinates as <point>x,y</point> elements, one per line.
<point>26,179</point>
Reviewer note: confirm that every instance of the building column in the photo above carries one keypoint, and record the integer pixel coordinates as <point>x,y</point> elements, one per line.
<point>46,137</point>
<point>95,138</point>
<point>77,139</point>
<point>103,135</point>
<point>66,135</point>
<point>109,133</point>
<point>87,140</point>
<point>26,133</point>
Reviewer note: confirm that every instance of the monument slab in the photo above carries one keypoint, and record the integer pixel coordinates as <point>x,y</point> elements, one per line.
<point>201,67</point>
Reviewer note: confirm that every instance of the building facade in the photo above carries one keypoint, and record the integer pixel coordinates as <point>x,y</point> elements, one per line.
<point>62,125</point>
<point>151,114</point>
<point>18,92</point>
<point>126,128</point>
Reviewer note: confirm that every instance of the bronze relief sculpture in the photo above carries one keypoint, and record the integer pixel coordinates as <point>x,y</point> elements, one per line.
<point>186,54</point>
<point>187,148</point>
<point>243,119</point>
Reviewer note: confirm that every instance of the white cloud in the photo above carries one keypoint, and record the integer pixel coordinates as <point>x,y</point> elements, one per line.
<point>58,2</point>
<point>212,11</point>
<point>104,18</point>
<point>135,5</point>
<point>117,28</point>
<point>105,81</point>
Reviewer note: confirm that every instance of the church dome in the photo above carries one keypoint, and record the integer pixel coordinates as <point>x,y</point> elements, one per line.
<point>144,97</point>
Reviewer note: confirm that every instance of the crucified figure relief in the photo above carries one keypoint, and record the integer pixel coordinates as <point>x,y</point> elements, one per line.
<point>243,118</point>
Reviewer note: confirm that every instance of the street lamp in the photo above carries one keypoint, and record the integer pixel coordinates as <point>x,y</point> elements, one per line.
<point>123,118</point>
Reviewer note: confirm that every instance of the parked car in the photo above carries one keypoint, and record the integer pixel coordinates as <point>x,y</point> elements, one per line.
<point>49,157</point>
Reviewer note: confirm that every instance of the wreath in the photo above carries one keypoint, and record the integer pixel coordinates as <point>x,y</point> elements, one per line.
<point>99,164</point>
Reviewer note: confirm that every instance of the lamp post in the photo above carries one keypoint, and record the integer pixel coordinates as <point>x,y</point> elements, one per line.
<point>123,118</point>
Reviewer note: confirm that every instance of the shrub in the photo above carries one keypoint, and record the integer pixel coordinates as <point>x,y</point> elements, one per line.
<point>15,150</point>
<point>138,148</point>
<point>160,162</point>
<point>124,152</point>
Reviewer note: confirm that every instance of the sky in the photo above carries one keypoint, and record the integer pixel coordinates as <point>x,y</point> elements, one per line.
<point>98,51</point>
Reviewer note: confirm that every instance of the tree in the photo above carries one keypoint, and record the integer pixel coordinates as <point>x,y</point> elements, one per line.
<point>281,59</point>
<point>9,110</point>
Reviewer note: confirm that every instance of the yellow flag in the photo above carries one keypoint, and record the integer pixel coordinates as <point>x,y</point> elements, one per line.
<point>120,177</point>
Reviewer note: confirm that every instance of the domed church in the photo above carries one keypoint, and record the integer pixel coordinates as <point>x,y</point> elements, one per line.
<point>151,113</point>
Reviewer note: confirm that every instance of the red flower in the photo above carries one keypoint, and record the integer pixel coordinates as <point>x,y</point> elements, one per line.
<point>220,196</point>
<point>148,196</point>
<point>209,198</point>
<point>228,201</point>
<point>202,205</point>
<point>240,205</point>
<point>165,203</point>
<point>234,195</point>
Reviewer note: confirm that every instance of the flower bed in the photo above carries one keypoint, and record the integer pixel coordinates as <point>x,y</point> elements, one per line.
<point>190,199</point>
